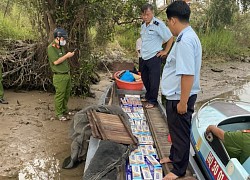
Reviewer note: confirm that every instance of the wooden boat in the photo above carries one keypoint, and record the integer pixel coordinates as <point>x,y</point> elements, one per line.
<point>156,118</point>
<point>215,162</point>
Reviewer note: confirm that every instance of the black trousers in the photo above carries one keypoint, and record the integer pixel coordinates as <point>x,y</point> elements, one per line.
<point>150,74</point>
<point>179,129</point>
<point>140,62</point>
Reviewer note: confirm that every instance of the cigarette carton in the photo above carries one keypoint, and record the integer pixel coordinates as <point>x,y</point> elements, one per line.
<point>146,172</point>
<point>150,149</point>
<point>136,172</point>
<point>152,160</point>
<point>144,150</point>
<point>158,173</point>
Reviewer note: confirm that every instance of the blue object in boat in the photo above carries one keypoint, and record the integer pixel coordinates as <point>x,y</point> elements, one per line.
<point>128,77</point>
<point>246,165</point>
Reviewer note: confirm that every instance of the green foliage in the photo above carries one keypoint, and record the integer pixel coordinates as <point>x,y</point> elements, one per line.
<point>90,23</point>
<point>127,36</point>
<point>229,36</point>
<point>219,43</point>
<point>15,25</point>
<point>82,77</point>
<point>242,28</point>
<point>220,14</point>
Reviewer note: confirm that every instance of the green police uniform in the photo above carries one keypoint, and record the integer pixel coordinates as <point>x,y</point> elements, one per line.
<point>237,145</point>
<point>1,85</point>
<point>61,78</point>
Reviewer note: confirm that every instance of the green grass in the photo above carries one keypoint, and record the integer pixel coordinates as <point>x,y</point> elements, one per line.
<point>16,25</point>
<point>127,36</point>
<point>219,43</point>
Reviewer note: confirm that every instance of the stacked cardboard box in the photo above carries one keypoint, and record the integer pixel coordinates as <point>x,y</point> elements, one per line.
<point>143,163</point>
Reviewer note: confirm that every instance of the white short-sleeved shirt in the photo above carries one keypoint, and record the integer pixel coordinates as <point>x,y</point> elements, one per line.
<point>153,36</point>
<point>184,59</point>
<point>138,47</point>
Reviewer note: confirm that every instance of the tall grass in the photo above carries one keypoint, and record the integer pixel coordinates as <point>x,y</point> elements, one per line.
<point>16,25</point>
<point>127,36</point>
<point>214,43</point>
<point>219,43</point>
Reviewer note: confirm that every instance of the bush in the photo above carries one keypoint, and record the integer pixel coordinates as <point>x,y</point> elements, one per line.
<point>127,36</point>
<point>15,26</point>
<point>219,43</point>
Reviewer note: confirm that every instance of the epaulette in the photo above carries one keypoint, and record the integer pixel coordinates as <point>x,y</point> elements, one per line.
<point>179,38</point>
<point>156,23</point>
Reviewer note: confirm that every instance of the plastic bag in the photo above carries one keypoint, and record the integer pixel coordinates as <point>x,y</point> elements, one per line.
<point>127,76</point>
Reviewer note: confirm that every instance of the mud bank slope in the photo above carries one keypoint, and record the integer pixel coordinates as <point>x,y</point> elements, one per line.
<point>34,145</point>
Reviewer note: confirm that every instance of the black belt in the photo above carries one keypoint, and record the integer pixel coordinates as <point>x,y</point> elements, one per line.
<point>61,73</point>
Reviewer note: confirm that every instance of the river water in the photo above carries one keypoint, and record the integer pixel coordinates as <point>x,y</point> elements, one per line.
<point>241,93</point>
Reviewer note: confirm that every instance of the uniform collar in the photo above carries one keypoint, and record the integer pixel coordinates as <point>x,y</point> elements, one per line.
<point>151,22</point>
<point>54,44</point>
<point>178,39</point>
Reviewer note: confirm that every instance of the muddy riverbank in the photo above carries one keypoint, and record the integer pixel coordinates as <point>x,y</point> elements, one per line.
<point>34,145</point>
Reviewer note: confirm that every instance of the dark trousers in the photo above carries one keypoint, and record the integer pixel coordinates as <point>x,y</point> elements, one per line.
<point>140,62</point>
<point>179,129</point>
<point>150,74</point>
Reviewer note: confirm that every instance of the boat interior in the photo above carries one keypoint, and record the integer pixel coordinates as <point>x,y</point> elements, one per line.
<point>235,123</point>
<point>230,124</point>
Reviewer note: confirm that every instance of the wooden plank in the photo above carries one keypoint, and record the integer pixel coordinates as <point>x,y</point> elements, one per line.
<point>154,121</point>
<point>99,126</point>
<point>128,130</point>
<point>114,128</point>
<point>159,131</point>
<point>95,132</point>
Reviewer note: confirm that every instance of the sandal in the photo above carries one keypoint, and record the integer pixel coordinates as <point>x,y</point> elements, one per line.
<point>62,118</point>
<point>71,113</point>
<point>144,100</point>
<point>149,106</point>
<point>2,101</point>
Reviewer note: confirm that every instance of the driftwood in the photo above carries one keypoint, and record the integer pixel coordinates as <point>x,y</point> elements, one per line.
<point>25,65</point>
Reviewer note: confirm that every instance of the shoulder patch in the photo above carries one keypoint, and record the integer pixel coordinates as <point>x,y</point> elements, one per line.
<point>179,38</point>
<point>156,23</point>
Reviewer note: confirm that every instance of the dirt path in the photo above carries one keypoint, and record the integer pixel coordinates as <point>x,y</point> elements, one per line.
<point>33,144</point>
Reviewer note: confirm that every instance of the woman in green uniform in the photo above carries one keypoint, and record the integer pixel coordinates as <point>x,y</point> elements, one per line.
<point>61,72</point>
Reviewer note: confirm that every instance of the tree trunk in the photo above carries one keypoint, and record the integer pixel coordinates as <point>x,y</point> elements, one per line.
<point>155,6</point>
<point>6,9</point>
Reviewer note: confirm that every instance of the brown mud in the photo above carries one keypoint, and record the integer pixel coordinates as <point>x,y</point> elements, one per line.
<point>33,145</point>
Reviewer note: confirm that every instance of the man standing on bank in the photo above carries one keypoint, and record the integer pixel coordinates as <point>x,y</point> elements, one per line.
<point>61,70</point>
<point>153,34</point>
<point>2,101</point>
<point>180,84</point>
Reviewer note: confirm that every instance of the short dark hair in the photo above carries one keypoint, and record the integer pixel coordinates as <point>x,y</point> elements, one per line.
<point>180,10</point>
<point>147,6</point>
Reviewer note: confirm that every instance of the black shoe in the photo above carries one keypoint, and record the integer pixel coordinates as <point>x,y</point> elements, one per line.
<point>2,101</point>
